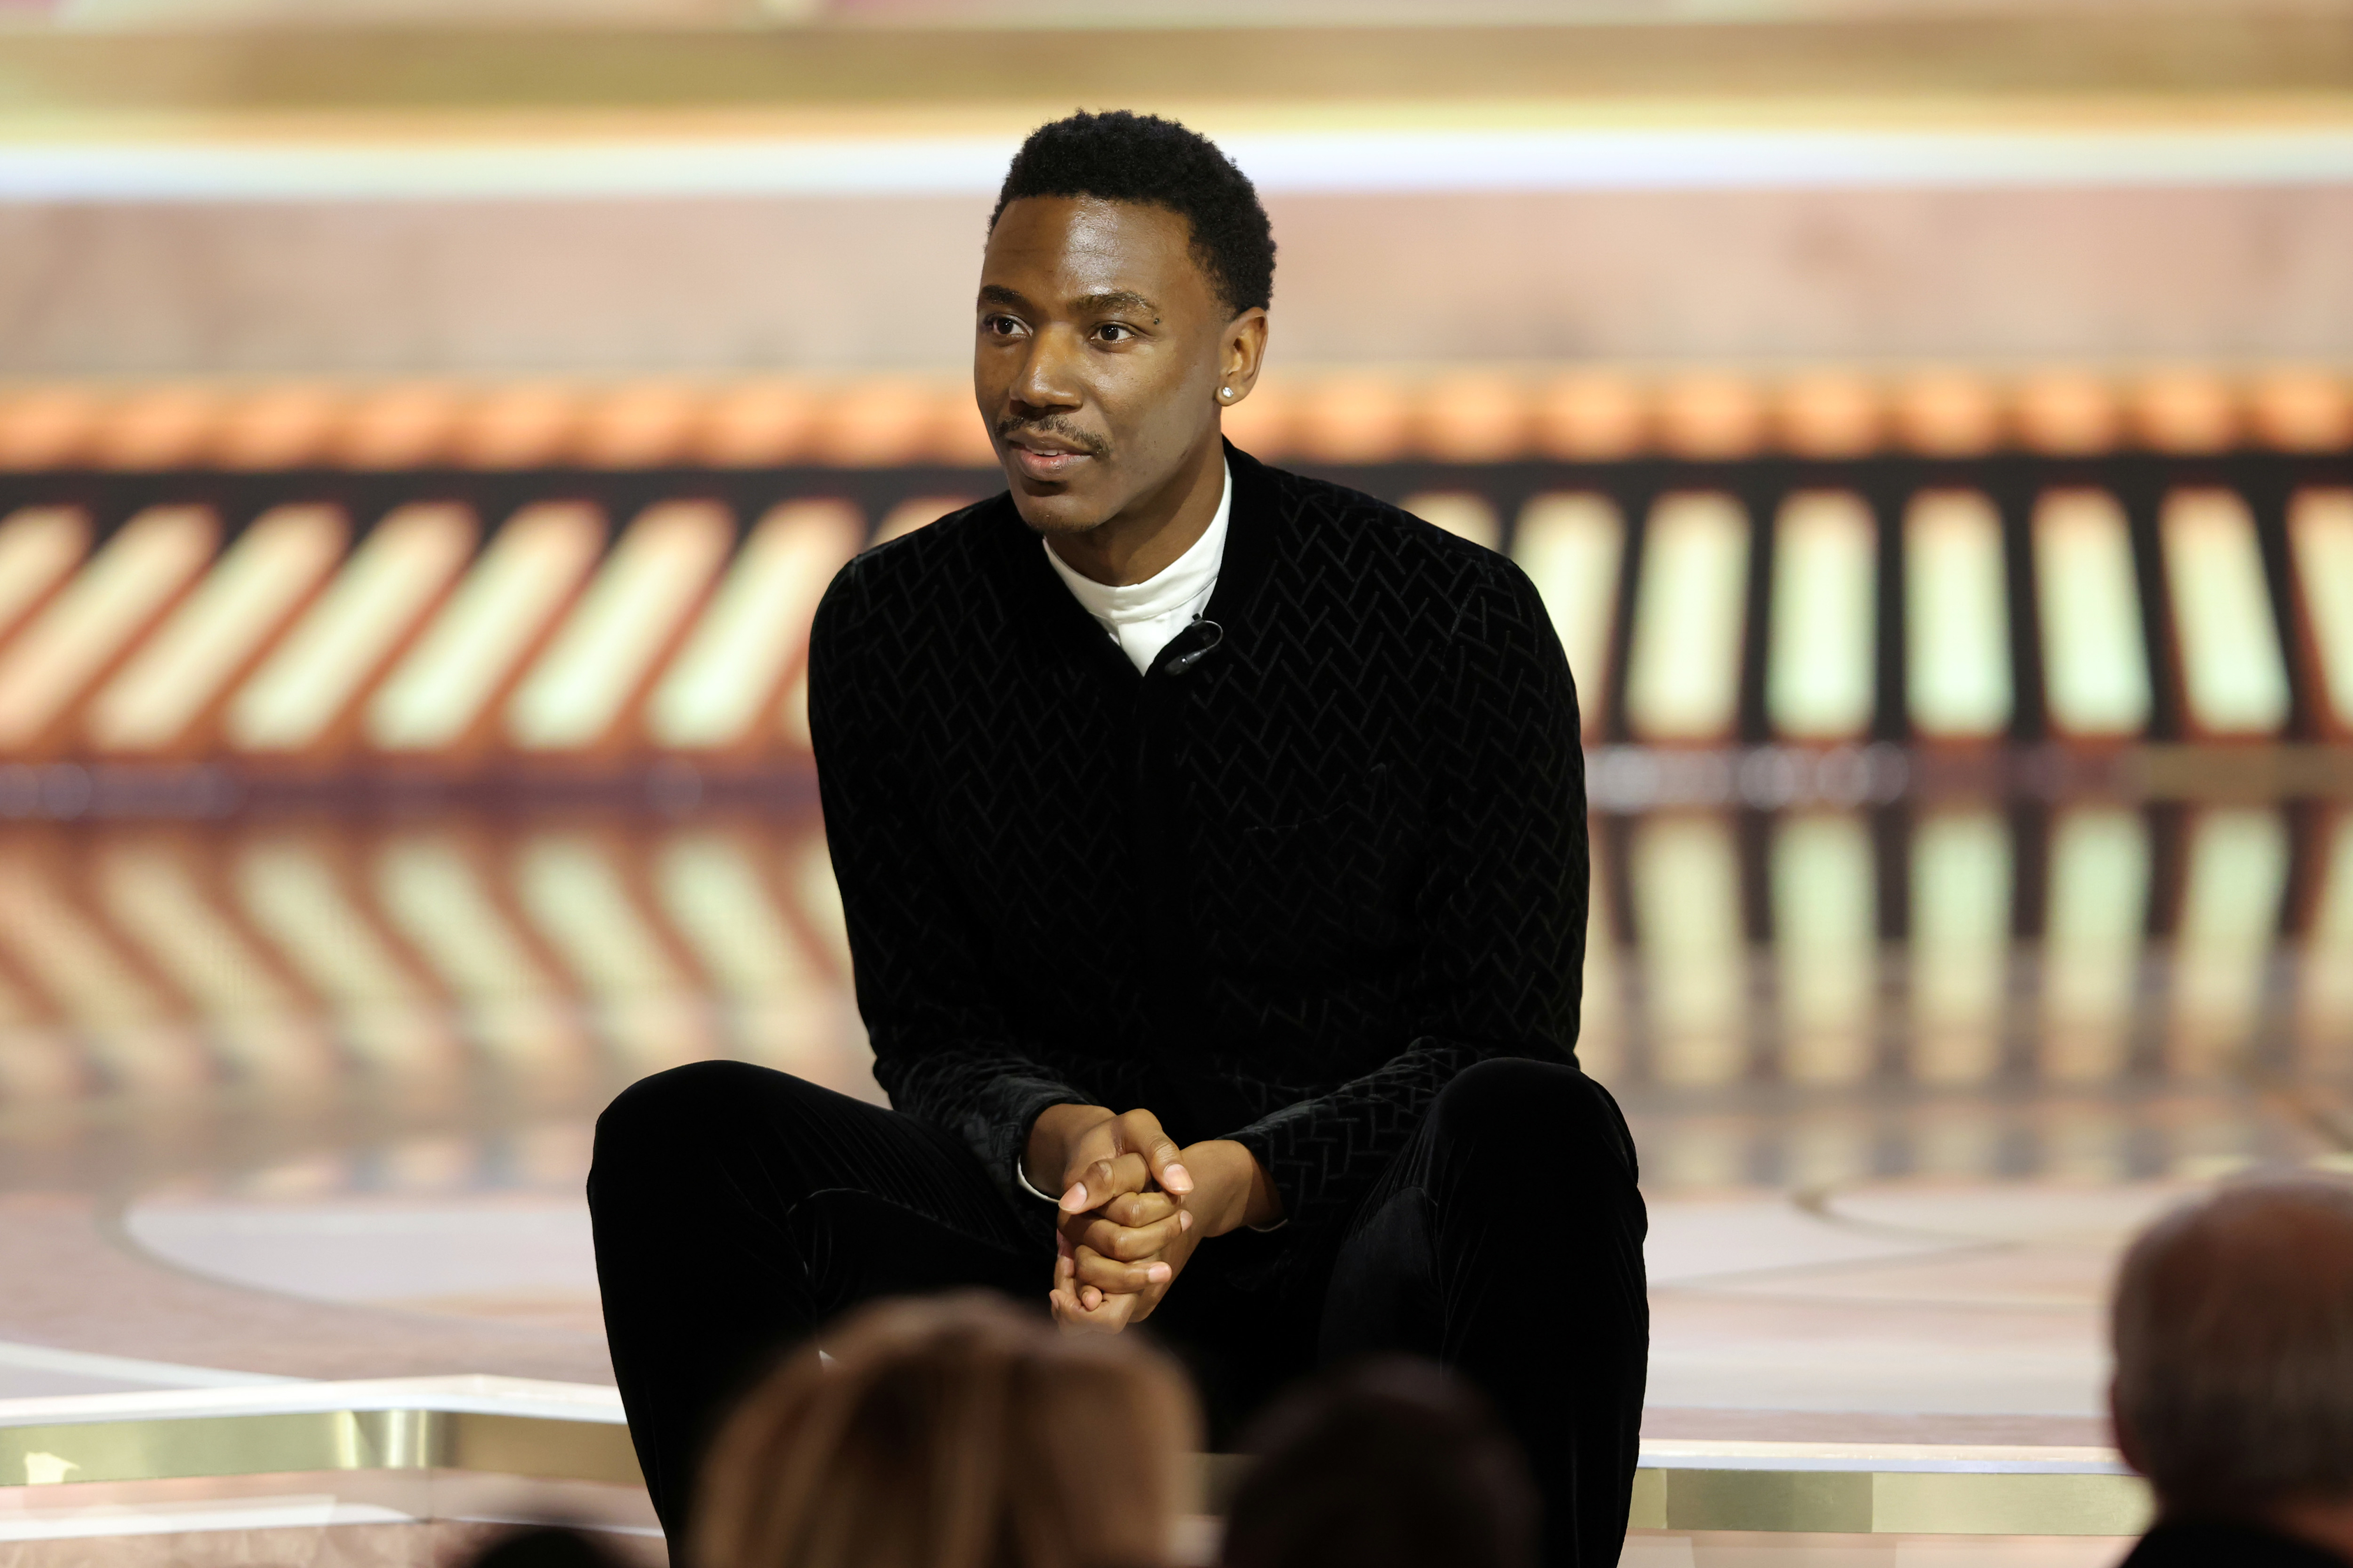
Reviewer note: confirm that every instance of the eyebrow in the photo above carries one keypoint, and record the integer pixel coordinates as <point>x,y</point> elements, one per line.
<point>1098,303</point>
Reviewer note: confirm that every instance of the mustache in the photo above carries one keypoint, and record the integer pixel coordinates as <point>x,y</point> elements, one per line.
<point>1059,429</point>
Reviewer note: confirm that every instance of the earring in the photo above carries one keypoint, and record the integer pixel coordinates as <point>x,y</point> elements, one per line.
<point>1225,392</point>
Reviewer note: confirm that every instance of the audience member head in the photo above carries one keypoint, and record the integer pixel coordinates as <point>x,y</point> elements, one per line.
<point>548,1546</point>
<point>2233,1325</point>
<point>951,1432</point>
<point>1387,1464</point>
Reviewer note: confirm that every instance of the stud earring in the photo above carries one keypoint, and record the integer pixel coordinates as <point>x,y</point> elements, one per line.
<point>1225,392</point>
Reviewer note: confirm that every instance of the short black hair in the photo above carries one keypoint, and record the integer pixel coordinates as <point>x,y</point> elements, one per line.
<point>1392,1463</point>
<point>1119,156</point>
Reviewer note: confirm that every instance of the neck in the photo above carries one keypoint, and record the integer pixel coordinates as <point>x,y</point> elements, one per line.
<point>1145,538</point>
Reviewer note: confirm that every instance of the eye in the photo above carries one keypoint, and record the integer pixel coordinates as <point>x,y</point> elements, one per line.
<point>1114,331</point>
<point>1000,326</point>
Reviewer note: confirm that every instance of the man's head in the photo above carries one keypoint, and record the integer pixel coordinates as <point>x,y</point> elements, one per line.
<point>2233,1324</point>
<point>1392,1464</point>
<point>1123,304</point>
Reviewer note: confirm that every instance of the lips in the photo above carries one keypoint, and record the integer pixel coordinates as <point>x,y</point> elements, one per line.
<point>1041,456</point>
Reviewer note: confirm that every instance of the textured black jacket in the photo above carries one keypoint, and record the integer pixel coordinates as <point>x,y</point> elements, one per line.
<point>1281,888</point>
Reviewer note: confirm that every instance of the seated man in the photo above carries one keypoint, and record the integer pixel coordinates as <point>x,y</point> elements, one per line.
<point>2233,1393</point>
<point>1212,841</point>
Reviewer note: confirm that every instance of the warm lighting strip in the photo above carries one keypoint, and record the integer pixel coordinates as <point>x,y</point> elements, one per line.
<point>1466,514</point>
<point>1571,545</point>
<point>434,895</point>
<point>2098,908</point>
<point>466,656</point>
<point>2234,673</point>
<point>128,1026</point>
<point>1820,668</point>
<point>1683,677</point>
<point>1957,617</point>
<point>1960,945</point>
<point>1686,872</point>
<point>40,545</point>
<point>216,632</point>
<point>2222,950</point>
<point>577,898</point>
<point>1826,945</point>
<point>808,879</point>
<point>341,643</point>
<point>754,629</point>
<point>715,899</point>
<point>106,608</point>
<point>153,897</point>
<point>2095,665</point>
<point>2320,533</point>
<point>600,659</point>
<point>293,896</point>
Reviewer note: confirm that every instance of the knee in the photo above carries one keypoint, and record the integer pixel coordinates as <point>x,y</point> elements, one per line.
<point>657,1123</point>
<point>1535,1120</point>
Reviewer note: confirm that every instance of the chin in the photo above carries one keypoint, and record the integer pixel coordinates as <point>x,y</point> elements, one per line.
<point>1059,514</point>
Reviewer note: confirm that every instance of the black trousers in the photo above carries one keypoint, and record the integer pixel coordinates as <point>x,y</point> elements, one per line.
<point>737,1208</point>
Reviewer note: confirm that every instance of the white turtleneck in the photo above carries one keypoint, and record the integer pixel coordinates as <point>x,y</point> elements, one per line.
<point>1143,617</point>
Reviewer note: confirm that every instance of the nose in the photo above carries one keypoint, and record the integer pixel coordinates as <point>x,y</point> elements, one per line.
<point>1046,383</point>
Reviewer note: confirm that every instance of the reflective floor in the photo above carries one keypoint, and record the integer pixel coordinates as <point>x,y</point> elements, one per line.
<point>312,1097</point>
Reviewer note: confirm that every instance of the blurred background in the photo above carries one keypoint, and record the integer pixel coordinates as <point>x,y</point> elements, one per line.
<point>425,428</point>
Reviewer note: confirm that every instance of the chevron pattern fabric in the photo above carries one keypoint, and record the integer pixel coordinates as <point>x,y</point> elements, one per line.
<point>1281,888</point>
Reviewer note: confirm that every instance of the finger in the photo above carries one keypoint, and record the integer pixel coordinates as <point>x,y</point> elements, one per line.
<point>1141,1130</point>
<point>1090,1298</point>
<point>1128,1244</point>
<point>1140,1208</point>
<point>1106,1179</point>
<point>1113,1278</point>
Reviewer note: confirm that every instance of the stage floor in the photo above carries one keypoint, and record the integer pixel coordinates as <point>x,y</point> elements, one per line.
<point>312,1099</point>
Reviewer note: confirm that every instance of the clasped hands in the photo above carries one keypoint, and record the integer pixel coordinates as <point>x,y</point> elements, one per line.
<point>1134,1206</point>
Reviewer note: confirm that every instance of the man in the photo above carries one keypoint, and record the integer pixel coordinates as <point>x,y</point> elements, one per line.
<point>1213,846</point>
<point>2233,1393</point>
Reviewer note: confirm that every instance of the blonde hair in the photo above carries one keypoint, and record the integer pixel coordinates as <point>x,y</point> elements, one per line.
<point>952,1432</point>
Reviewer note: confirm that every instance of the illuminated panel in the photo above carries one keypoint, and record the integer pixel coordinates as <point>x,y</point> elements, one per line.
<point>577,897</point>
<point>468,654</point>
<point>808,873</point>
<point>1683,677</point>
<point>295,899</point>
<point>1461,513</point>
<point>215,631</point>
<point>2235,678</point>
<point>38,546</point>
<point>1955,617</point>
<point>37,1062</point>
<point>87,627</point>
<point>2229,919</point>
<point>715,899</point>
<point>1826,946</point>
<point>1601,1015</point>
<point>2325,1003</point>
<point>1571,545</point>
<point>2096,666</point>
<point>755,629</point>
<point>152,896</point>
<point>1818,671</point>
<point>1960,945</point>
<point>601,657</point>
<point>909,515</point>
<point>2320,530</point>
<point>435,897</point>
<point>2098,908</point>
<point>130,1028</point>
<point>324,665</point>
<point>1686,881</point>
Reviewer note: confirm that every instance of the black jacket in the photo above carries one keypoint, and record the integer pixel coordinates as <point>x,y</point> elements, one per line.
<point>1327,852</point>
<point>2214,1545</point>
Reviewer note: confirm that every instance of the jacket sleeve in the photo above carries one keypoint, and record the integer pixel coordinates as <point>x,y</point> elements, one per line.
<point>945,1050</point>
<point>1498,969</point>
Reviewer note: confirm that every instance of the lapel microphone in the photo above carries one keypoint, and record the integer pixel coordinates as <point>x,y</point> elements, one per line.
<point>1187,660</point>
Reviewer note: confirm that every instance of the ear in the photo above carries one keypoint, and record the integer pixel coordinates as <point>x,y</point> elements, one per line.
<point>1241,355</point>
